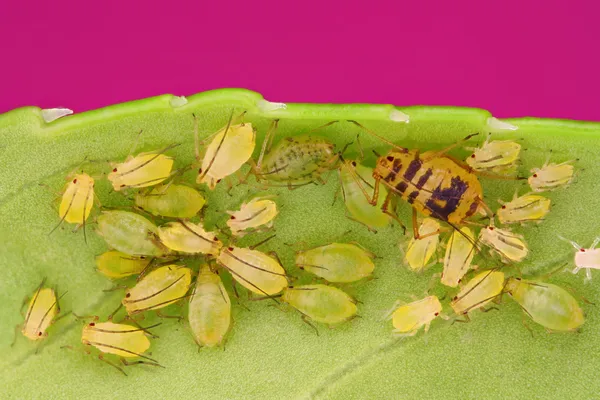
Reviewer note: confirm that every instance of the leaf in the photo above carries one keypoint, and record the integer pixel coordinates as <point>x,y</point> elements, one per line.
<point>271,353</point>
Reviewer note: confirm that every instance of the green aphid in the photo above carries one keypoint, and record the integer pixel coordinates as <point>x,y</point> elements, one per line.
<point>549,305</point>
<point>175,201</point>
<point>130,233</point>
<point>337,262</point>
<point>116,265</point>
<point>321,303</point>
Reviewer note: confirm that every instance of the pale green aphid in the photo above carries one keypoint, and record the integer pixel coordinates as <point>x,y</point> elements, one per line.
<point>498,156</point>
<point>479,291</point>
<point>130,233</point>
<point>175,201</point>
<point>420,251</point>
<point>209,313</point>
<point>257,213</point>
<point>460,251</point>
<point>321,303</point>
<point>160,288</point>
<point>407,319</point>
<point>187,237</point>
<point>357,181</point>
<point>529,207</point>
<point>337,262</point>
<point>549,305</point>
<point>115,265</point>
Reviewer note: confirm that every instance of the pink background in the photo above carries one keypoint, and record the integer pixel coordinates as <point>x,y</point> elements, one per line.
<point>539,59</point>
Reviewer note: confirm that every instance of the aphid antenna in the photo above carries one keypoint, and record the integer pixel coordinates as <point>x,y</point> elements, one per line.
<point>203,174</point>
<point>267,142</point>
<point>302,266</point>
<point>141,310</point>
<point>305,318</point>
<point>155,293</point>
<point>262,242</point>
<point>247,281</point>
<point>274,296</point>
<point>478,283</point>
<point>482,302</point>
<point>377,135</point>
<point>187,228</point>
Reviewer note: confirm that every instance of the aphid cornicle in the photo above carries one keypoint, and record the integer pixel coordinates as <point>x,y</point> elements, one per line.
<point>498,156</point>
<point>407,319</point>
<point>356,180</point>
<point>187,237</point>
<point>254,270</point>
<point>77,201</point>
<point>230,148</point>
<point>145,169</point>
<point>258,212</point>
<point>209,312</point>
<point>587,259</point>
<point>116,265</point>
<point>510,246</point>
<point>479,291</point>
<point>297,160</point>
<point>420,250</point>
<point>124,341</point>
<point>130,233</point>
<point>549,305</point>
<point>460,251</point>
<point>321,303</point>
<point>337,262</point>
<point>160,288</point>
<point>175,201</point>
<point>41,312</point>
<point>551,176</point>
<point>526,208</point>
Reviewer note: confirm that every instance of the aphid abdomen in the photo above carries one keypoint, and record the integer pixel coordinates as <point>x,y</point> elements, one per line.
<point>337,262</point>
<point>321,303</point>
<point>129,233</point>
<point>411,317</point>
<point>478,292</point>
<point>42,310</point>
<point>116,265</point>
<point>175,201</point>
<point>590,258</point>
<point>120,339</point>
<point>549,305</point>
<point>210,309</point>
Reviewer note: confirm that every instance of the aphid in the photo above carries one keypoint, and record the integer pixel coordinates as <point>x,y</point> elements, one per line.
<point>187,237</point>
<point>41,312</point>
<point>258,212</point>
<point>529,207</point>
<point>145,169</point>
<point>478,292</point>
<point>549,305</point>
<point>510,246</point>
<point>175,201</point>
<point>459,255</point>
<point>587,259</point>
<point>124,341</point>
<point>116,265</point>
<point>230,148</point>
<point>77,201</point>
<point>551,176</point>
<point>160,288</point>
<point>357,180</point>
<point>130,233</point>
<point>297,160</point>
<point>337,262</point>
<point>407,319</point>
<point>420,250</point>
<point>321,303</point>
<point>433,183</point>
<point>209,313</point>
<point>498,156</point>
<point>253,269</point>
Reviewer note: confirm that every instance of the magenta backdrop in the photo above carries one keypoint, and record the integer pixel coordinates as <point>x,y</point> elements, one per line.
<point>512,58</point>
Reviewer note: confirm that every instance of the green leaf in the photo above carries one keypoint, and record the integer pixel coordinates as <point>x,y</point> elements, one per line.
<point>271,353</point>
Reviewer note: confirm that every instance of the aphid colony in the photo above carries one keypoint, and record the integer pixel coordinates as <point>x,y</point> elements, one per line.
<point>181,260</point>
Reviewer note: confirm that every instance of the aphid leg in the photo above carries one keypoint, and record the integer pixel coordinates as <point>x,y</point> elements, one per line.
<point>83,317</point>
<point>386,204</point>
<point>112,314</point>
<point>135,143</point>
<point>261,242</point>
<point>101,358</point>
<point>17,328</point>
<point>388,313</point>
<point>403,149</point>
<point>114,288</point>
<point>128,363</point>
<point>595,243</point>
<point>161,315</point>
<point>266,146</point>
<point>483,309</point>
<point>525,324</point>
<point>441,152</point>
<point>574,244</point>
<point>306,321</point>
<point>588,275</point>
<point>350,217</point>
<point>369,252</point>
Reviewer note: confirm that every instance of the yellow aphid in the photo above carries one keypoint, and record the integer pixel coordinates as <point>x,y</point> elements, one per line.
<point>551,176</point>
<point>124,341</point>
<point>43,308</point>
<point>115,265</point>
<point>529,207</point>
<point>478,292</point>
<point>420,251</point>
<point>230,148</point>
<point>160,288</point>
<point>409,318</point>
<point>187,237</point>
<point>77,201</point>
<point>209,313</point>
<point>258,212</point>
<point>498,156</point>
<point>510,246</point>
<point>145,169</point>
<point>459,255</point>
<point>253,269</point>
<point>321,303</point>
